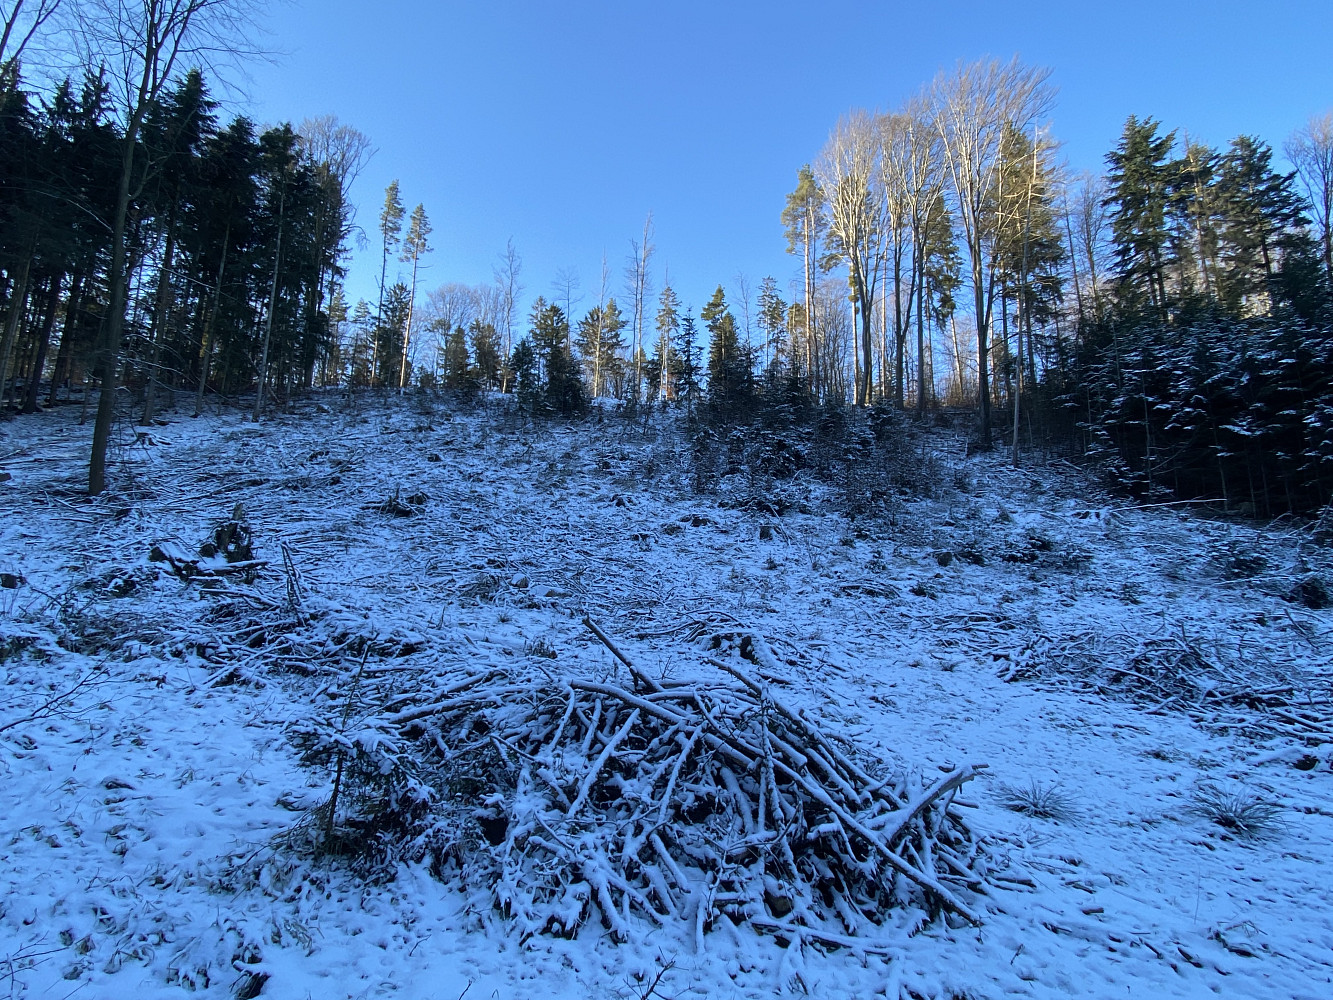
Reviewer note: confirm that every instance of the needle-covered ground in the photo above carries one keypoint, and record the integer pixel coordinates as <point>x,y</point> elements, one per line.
<point>1149,689</point>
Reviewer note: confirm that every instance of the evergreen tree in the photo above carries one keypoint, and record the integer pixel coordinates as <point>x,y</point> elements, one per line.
<point>389,327</point>
<point>805,223</point>
<point>525,370</point>
<point>1141,179</point>
<point>361,358</point>
<point>561,387</point>
<point>688,387</point>
<point>773,322</point>
<point>457,374</point>
<point>600,340</point>
<point>1262,219</point>
<point>730,383</point>
<point>665,361</point>
<point>415,245</point>
<point>391,227</point>
<point>485,352</point>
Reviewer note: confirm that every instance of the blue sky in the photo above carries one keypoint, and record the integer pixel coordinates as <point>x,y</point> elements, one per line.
<point>562,125</point>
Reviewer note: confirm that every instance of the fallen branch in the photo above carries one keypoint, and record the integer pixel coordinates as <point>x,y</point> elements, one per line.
<point>574,797</point>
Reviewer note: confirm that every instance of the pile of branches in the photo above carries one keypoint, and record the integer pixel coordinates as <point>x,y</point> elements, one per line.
<point>1179,672</point>
<point>565,799</point>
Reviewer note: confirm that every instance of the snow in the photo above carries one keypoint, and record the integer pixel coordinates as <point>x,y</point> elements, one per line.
<point>152,816</point>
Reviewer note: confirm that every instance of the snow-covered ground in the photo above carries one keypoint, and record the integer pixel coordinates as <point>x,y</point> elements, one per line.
<point>149,787</point>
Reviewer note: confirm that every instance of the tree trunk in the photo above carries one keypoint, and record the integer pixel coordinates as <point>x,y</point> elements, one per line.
<point>957,354</point>
<point>900,363</point>
<point>809,312</point>
<point>108,363</point>
<point>18,300</point>
<point>43,345</point>
<point>983,357</point>
<point>407,333</point>
<point>206,349</point>
<point>923,387</point>
<point>1073,264</point>
<point>159,320</point>
<point>73,307</point>
<point>272,308</point>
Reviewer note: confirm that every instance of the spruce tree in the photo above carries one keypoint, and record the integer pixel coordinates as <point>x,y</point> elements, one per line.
<point>772,321</point>
<point>729,377</point>
<point>1262,215</point>
<point>561,388</point>
<point>457,374</point>
<point>1141,178</point>
<point>600,340</point>
<point>688,387</point>
<point>486,359</point>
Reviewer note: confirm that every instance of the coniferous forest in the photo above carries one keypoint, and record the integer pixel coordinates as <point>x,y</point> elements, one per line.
<point>946,617</point>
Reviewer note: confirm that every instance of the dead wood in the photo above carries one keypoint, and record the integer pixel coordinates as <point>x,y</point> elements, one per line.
<point>690,799</point>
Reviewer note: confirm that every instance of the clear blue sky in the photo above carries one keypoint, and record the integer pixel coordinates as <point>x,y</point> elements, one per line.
<point>562,124</point>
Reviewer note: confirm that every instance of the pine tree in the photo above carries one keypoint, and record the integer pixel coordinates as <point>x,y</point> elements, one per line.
<point>415,245</point>
<point>805,223</point>
<point>391,226</point>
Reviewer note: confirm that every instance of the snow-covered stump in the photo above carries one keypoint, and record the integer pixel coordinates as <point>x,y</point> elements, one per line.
<point>565,797</point>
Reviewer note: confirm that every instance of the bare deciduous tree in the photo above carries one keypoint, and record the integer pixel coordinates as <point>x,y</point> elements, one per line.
<point>507,290</point>
<point>339,153</point>
<point>923,191</point>
<point>20,22</point>
<point>1310,150</point>
<point>897,169</point>
<point>640,289</point>
<point>141,45</point>
<point>566,286</point>
<point>974,104</point>
<point>846,170</point>
<point>1086,223</point>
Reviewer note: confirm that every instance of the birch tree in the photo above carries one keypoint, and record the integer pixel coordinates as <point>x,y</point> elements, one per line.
<point>974,104</point>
